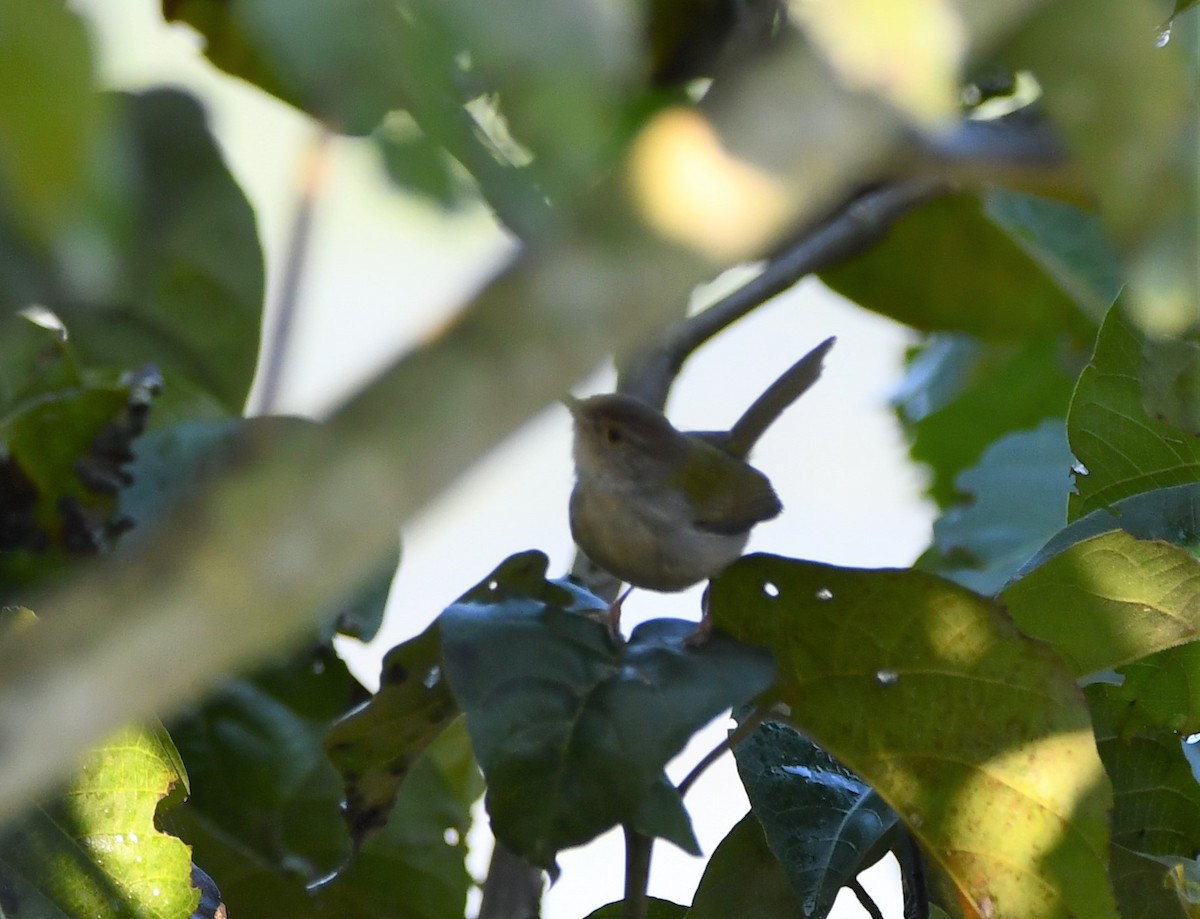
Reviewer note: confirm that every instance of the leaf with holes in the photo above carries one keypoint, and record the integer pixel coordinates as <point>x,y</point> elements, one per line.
<point>97,851</point>
<point>375,745</point>
<point>572,730</point>
<point>976,735</point>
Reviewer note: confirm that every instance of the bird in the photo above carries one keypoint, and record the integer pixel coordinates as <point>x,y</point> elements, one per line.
<point>663,509</point>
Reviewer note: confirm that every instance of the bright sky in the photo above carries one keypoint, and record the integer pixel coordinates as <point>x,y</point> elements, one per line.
<point>384,268</point>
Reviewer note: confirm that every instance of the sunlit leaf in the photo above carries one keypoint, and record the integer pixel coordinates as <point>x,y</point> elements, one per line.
<point>96,850</point>
<point>1108,600</point>
<point>974,734</point>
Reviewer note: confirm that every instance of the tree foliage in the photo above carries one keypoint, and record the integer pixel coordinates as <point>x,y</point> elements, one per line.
<point>1011,716</point>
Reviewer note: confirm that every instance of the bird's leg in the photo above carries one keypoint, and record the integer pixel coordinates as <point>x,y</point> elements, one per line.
<point>703,632</point>
<point>614,613</point>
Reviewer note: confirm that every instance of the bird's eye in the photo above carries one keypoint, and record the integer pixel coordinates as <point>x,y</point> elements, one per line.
<point>613,435</point>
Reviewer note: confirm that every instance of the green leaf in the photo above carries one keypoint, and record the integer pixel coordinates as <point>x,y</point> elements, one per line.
<point>1156,812</point>
<point>1171,382</point>
<point>655,909</point>
<point>1120,101</point>
<point>1146,886</point>
<point>973,733</point>
<point>986,284</point>
<point>64,456</point>
<point>413,867</point>
<point>258,769</point>
<point>1123,450</point>
<point>375,746</point>
<point>744,879</point>
<point>415,161</point>
<point>338,62</point>
<point>1069,244</point>
<point>571,730</point>
<point>822,821</point>
<point>189,289</point>
<point>963,396</point>
<point>1156,799</point>
<point>1109,600</point>
<point>1160,693</point>
<point>1016,500</point>
<point>49,112</point>
<point>96,850</point>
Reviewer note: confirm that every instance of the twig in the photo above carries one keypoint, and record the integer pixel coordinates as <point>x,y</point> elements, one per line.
<point>912,876</point>
<point>856,227</point>
<point>735,737</point>
<point>864,898</point>
<point>275,352</point>
<point>638,849</point>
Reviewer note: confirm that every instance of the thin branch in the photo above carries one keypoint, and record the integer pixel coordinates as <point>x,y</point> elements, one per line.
<point>852,230</point>
<point>278,340</point>
<point>735,737</point>
<point>638,849</point>
<point>865,899</point>
<point>912,876</point>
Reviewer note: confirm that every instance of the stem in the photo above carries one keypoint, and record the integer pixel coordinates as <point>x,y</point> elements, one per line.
<point>736,736</point>
<point>637,873</point>
<point>864,898</point>
<point>275,350</point>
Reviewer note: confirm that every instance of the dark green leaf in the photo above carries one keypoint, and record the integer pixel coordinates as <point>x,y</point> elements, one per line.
<point>1146,887</point>
<point>189,275</point>
<point>744,879</point>
<point>573,731</point>
<point>1160,693</point>
<point>1016,500</point>
<point>982,281</point>
<point>49,113</point>
<point>1123,451</point>
<point>339,62</point>
<point>1109,600</point>
<point>973,733</point>
<point>1156,799</point>
<point>413,867</point>
<point>375,746</point>
<point>96,851</point>
<point>258,770</point>
<point>1069,244</point>
<point>822,821</point>
<point>416,162</point>
<point>655,909</point>
<point>962,396</point>
<point>1171,382</point>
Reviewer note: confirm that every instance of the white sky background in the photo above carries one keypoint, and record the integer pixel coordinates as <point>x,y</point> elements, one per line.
<point>383,268</point>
